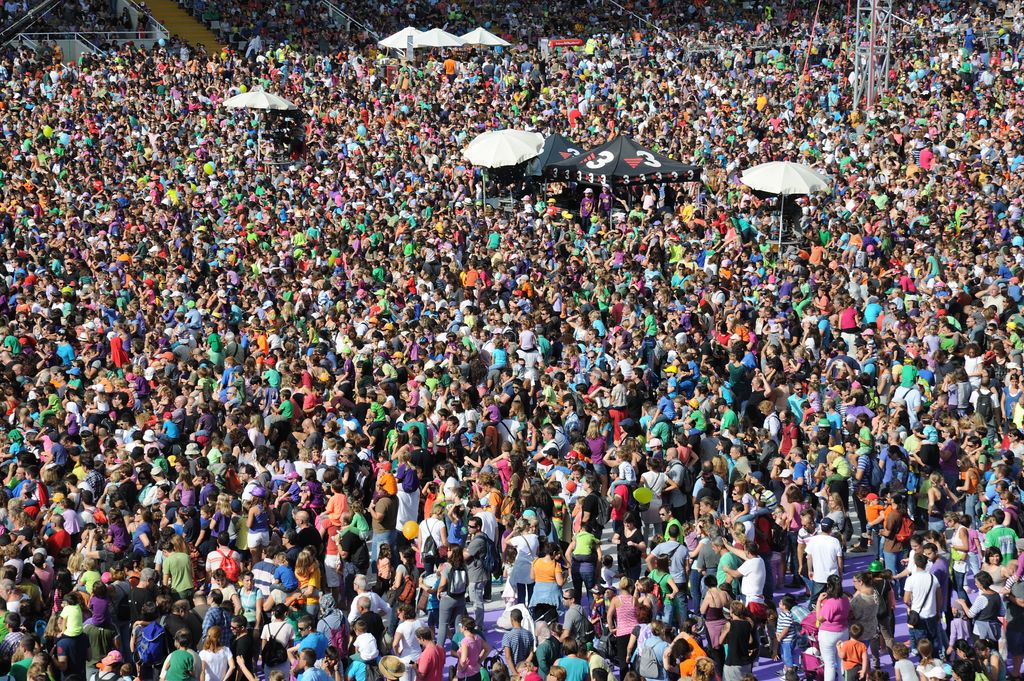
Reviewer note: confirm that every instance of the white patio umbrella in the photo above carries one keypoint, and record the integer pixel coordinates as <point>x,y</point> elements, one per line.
<point>400,40</point>
<point>481,37</point>
<point>436,37</point>
<point>502,148</point>
<point>258,100</point>
<point>784,178</point>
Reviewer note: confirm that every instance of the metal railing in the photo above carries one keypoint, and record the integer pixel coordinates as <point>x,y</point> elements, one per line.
<point>137,11</point>
<point>89,41</point>
<point>337,12</point>
<point>26,20</point>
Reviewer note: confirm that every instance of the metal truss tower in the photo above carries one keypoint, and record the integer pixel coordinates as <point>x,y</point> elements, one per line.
<point>872,45</point>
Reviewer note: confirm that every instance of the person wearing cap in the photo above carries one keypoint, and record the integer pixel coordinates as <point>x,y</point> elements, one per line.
<point>108,668</point>
<point>825,557</point>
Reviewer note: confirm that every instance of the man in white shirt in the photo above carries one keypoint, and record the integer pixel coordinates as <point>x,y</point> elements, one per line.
<point>825,557</point>
<point>751,573</point>
<point>921,594</point>
<point>371,600</point>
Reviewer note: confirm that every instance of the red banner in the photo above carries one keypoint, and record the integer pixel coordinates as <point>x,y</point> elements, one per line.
<point>565,42</point>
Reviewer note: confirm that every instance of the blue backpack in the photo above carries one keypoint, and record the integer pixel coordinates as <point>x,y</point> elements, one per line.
<point>152,646</point>
<point>491,557</point>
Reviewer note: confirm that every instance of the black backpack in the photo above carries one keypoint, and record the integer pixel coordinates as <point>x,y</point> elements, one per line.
<point>274,652</point>
<point>985,407</point>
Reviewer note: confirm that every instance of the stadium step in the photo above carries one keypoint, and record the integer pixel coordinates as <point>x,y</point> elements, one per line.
<point>183,25</point>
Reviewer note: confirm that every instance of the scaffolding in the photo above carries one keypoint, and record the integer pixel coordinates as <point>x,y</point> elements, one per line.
<point>872,43</point>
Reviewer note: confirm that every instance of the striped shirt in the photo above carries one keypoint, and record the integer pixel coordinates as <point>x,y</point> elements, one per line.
<point>785,621</point>
<point>519,642</point>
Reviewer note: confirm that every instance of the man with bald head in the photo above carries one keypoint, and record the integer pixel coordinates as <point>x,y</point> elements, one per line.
<point>306,535</point>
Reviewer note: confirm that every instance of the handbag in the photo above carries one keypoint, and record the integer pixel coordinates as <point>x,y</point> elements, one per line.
<point>914,617</point>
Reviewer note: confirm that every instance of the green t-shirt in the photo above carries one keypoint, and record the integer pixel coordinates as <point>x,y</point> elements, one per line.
<point>89,579</point>
<point>669,524</point>
<point>72,615</point>
<point>728,419</point>
<point>731,561</point>
<point>19,670</point>
<point>181,666</point>
<point>1004,539</point>
<point>586,544</point>
<point>177,565</point>
<point>272,377</point>
<point>287,409</point>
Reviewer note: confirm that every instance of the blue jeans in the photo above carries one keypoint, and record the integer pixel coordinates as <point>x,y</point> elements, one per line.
<point>696,589</point>
<point>786,653</point>
<point>376,541</point>
<point>931,630</point>
<point>584,577</point>
<point>892,563</point>
<point>971,506</point>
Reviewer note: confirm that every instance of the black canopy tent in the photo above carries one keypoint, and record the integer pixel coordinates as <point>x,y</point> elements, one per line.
<point>556,148</point>
<point>622,162</point>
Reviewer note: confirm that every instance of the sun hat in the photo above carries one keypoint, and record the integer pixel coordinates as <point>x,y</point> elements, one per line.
<point>391,667</point>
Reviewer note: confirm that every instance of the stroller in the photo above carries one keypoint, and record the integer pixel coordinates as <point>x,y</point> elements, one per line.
<point>807,641</point>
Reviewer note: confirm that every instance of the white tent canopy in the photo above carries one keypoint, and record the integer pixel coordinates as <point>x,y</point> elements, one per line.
<point>436,37</point>
<point>503,148</point>
<point>400,40</point>
<point>481,37</point>
<point>259,100</point>
<point>785,179</point>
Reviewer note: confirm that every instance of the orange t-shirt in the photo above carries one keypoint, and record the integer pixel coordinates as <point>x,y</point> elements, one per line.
<point>853,653</point>
<point>687,666</point>
<point>872,510</point>
<point>449,66</point>
<point>546,570</point>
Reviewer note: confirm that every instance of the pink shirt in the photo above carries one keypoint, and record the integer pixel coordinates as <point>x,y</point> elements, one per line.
<point>834,614</point>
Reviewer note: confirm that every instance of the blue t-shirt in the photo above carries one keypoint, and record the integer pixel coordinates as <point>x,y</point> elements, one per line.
<point>137,545</point>
<point>575,668</point>
<point>286,576</point>
<point>314,674</point>
<point>315,641</point>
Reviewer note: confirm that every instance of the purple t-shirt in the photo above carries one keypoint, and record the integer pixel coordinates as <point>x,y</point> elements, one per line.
<point>100,612</point>
<point>118,534</point>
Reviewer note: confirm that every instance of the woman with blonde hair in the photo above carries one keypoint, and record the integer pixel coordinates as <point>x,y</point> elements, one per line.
<point>704,670</point>
<point>307,571</point>
<point>218,662</point>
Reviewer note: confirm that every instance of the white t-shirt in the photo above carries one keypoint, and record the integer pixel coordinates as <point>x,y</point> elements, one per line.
<point>282,631</point>
<point>752,584</point>
<point>921,601</point>
<point>824,552</point>
<point>405,640</point>
<point>216,663</point>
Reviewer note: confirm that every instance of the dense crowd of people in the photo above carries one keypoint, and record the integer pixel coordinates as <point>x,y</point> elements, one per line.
<point>338,417</point>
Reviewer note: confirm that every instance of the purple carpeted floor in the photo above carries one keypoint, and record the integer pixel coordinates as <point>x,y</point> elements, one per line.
<point>766,668</point>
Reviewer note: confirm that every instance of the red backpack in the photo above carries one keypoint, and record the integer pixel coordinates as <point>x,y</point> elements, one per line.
<point>230,566</point>
<point>906,528</point>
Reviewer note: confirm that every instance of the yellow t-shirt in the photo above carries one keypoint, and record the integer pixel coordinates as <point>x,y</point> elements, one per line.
<point>72,615</point>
